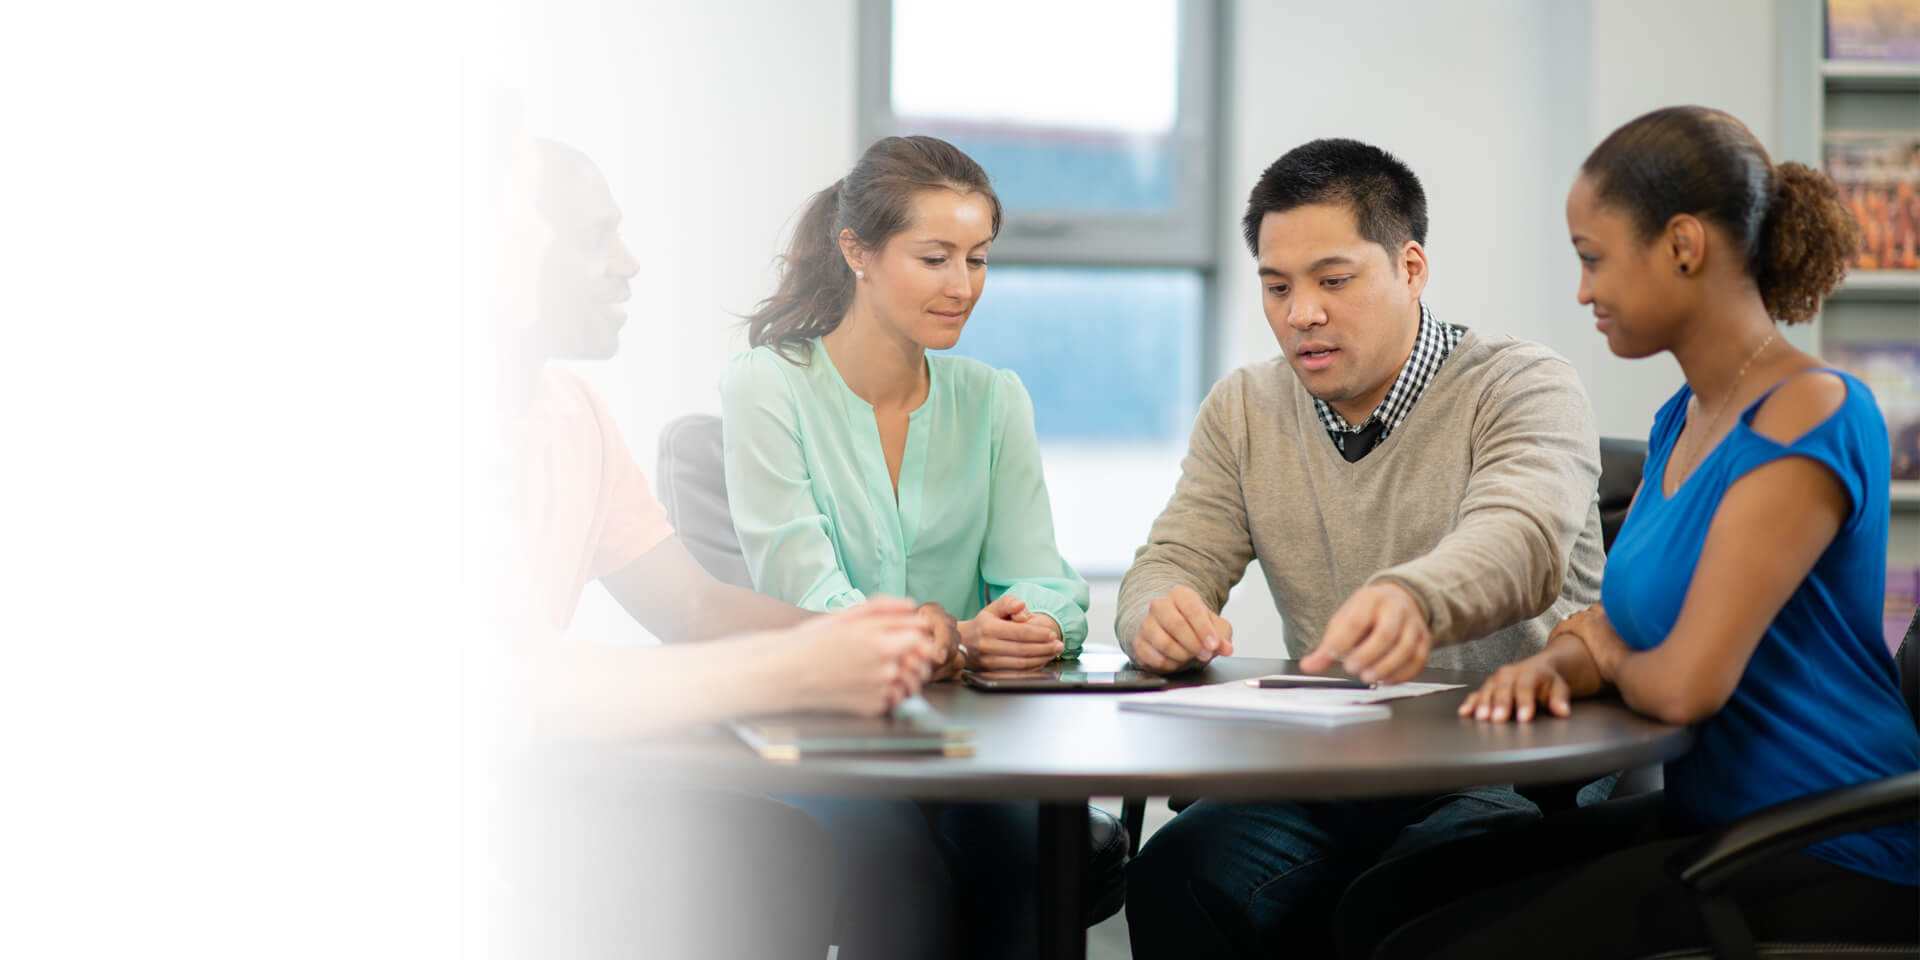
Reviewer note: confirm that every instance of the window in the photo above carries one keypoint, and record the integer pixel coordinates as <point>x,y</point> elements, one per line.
<point>1110,355</point>
<point>1096,122</point>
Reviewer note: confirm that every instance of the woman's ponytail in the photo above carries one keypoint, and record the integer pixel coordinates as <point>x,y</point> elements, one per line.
<point>815,284</point>
<point>1807,242</point>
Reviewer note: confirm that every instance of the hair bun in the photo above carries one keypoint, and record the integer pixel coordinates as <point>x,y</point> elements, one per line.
<point>1810,238</point>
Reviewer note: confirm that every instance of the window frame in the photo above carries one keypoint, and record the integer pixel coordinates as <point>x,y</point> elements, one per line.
<point>1184,236</point>
<point>1190,236</point>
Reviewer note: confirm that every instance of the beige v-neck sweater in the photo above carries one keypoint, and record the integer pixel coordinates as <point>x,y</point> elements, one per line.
<point>1483,503</point>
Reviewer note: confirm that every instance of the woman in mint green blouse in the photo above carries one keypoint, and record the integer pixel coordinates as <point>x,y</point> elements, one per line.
<point>859,464</point>
<point>819,516</point>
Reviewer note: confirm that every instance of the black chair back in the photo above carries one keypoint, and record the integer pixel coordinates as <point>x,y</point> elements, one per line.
<point>1621,461</point>
<point>692,478</point>
<point>1908,656</point>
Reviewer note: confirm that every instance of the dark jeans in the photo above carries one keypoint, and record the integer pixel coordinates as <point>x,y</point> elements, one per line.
<point>1593,883</point>
<point>1262,879</point>
<point>934,880</point>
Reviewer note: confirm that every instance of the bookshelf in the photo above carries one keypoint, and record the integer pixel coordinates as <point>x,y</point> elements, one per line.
<point>1846,76</point>
<point>1881,285</point>
<point>1819,98</point>
<point>1905,493</point>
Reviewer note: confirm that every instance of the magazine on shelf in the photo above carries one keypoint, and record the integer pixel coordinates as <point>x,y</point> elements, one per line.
<point>1873,30</point>
<point>1892,372</point>
<point>1879,177</point>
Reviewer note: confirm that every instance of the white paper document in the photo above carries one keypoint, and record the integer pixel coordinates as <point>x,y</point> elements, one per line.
<point>1314,707</point>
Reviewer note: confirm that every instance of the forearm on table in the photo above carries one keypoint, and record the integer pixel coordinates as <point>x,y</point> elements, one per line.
<point>723,609</point>
<point>1571,660</point>
<point>1662,684</point>
<point>630,689</point>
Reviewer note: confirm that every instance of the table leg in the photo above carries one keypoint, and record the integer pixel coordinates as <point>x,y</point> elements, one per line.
<point>1063,846</point>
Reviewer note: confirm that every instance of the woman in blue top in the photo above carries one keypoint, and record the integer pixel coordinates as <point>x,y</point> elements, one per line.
<point>859,463</point>
<point>1743,594</point>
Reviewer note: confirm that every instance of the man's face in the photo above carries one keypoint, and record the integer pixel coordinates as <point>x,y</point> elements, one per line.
<point>1345,312</point>
<point>585,267</point>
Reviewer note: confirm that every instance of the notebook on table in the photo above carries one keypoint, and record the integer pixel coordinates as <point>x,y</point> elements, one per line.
<point>1244,700</point>
<point>913,727</point>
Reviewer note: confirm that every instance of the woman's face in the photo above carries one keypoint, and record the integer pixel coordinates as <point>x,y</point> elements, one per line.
<point>924,282</point>
<point>1634,288</point>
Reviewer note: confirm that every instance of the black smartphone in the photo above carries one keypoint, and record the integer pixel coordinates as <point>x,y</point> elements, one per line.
<point>1331,683</point>
<point>1086,681</point>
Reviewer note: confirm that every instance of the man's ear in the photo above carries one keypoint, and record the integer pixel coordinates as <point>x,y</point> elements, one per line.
<point>1413,262</point>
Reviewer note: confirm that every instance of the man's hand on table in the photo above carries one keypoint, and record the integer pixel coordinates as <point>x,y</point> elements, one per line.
<point>1379,635</point>
<point>1180,631</point>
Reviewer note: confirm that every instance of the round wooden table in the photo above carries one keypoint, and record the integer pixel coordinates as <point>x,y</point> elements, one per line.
<point>1059,749</point>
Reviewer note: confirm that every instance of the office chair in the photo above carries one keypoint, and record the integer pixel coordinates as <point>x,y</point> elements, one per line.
<point>692,481</point>
<point>693,488</point>
<point>1760,836</point>
<point>1621,460</point>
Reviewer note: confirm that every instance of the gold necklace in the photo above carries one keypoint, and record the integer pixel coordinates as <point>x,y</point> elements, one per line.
<point>1693,448</point>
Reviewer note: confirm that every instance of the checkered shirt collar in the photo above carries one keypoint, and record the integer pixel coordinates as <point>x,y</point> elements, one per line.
<point>1434,342</point>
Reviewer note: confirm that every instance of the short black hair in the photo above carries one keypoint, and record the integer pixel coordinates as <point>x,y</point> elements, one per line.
<point>1388,205</point>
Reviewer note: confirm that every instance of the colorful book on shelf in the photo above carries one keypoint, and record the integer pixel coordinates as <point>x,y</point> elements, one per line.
<point>1892,372</point>
<point>1873,30</point>
<point>1903,594</point>
<point>1879,177</point>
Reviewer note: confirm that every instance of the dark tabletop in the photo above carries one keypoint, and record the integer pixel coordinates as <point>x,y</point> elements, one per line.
<point>1063,746</point>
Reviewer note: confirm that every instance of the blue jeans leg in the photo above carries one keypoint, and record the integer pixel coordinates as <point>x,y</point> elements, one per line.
<point>993,849</point>
<point>1463,813</point>
<point>1220,878</point>
<point>1263,879</point>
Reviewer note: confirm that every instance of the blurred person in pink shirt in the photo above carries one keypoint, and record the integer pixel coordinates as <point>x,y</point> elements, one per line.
<point>585,514</point>
<point>618,865</point>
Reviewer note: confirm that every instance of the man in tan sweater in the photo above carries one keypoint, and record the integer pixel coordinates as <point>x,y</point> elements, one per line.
<point>1417,494</point>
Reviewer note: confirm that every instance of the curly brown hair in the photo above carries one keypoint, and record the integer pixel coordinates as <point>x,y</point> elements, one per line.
<point>1809,240</point>
<point>1796,232</point>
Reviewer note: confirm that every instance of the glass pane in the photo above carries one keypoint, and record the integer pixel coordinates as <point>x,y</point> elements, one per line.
<point>1084,126</point>
<point>1110,356</point>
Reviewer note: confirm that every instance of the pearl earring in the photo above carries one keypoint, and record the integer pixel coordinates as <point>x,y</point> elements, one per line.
<point>859,274</point>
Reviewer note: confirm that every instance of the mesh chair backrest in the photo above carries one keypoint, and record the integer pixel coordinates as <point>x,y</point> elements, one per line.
<point>693,487</point>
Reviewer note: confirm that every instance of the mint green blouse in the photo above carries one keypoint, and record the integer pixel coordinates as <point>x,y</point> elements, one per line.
<point>814,507</point>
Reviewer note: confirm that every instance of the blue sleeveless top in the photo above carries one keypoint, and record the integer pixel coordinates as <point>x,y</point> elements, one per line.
<point>1819,705</point>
